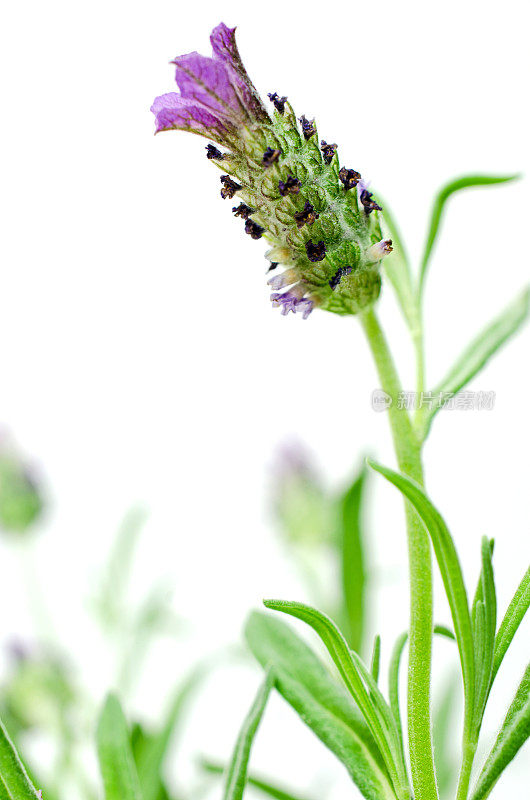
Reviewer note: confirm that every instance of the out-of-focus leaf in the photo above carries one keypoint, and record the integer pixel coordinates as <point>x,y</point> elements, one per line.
<point>514,733</point>
<point>151,753</point>
<point>321,703</point>
<point>484,619</point>
<point>353,561</point>
<point>262,785</point>
<point>475,357</point>
<point>512,619</point>
<point>236,773</point>
<point>110,603</point>
<point>450,570</point>
<point>14,781</point>
<point>118,770</point>
<point>465,182</point>
<point>355,679</point>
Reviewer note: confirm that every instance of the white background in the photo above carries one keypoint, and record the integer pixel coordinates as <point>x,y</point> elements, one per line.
<point>140,358</point>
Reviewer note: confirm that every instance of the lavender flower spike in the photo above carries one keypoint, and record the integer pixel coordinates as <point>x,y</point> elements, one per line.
<point>216,95</point>
<point>287,183</point>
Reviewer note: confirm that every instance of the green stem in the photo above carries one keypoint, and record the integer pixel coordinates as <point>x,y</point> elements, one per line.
<point>408,454</point>
<point>470,748</point>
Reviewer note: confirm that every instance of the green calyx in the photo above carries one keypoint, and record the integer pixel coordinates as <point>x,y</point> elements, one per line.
<point>329,242</point>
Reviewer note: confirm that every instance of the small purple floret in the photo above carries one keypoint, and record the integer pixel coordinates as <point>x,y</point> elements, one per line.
<point>290,301</point>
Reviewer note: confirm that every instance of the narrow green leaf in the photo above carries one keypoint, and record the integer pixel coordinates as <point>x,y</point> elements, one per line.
<point>484,619</point>
<point>305,683</point>
<point>512,619</point>
<point>476,356</point>
<point>151,756</point>
<point>393,673</point>
<point>465,182</point>
<point>450,570</point>
<point>349,670</point>
<point>14,780</point>
<point>393,682</point>
<point>262,785</point>
<point>353,561</point>
<point>120,778</point>
<point>387,720</point>
<point>397,269</point>
<point>376,658</point>
<point>236,774</point>
<point>514,733</point>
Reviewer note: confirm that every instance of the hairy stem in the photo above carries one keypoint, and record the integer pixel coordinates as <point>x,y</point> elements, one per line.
<point>408,454</point>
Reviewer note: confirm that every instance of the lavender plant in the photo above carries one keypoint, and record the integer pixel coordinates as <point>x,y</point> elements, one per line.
<point>332,245</point>
<point>328,237</point>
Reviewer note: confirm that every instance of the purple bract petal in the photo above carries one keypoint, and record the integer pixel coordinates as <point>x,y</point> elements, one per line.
<point>172,111</point>
<point>223,40</point>
<point>208,81</point>
<point>216,93</point>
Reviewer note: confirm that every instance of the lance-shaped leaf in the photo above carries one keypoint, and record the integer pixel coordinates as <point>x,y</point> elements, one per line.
<point>512,619</point>
<point>263,786</point>
<point>514,733</point>
<point>451,572</point>
<point>236,774</point>
<point>353,561</point>
<point>465,182</point>
<point>324,706</point>
<point>118,770</point>
<point>475,357</point>
<point>484,619</point>
<point>14,781</point>
<point>355,680</point>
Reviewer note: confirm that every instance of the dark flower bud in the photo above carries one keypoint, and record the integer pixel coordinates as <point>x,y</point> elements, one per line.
<point>270,157</point>
<point>307,216</point>
<point>328,151</point>
<point>290,186</point>
<point>230,187</point>
<point>315,252</point>
<point>349,178</point>
<point>213,152</point>
<point>253,229</point>
<point>308,126</point>
<point>338,276</point>
<point>368,202</point>
<point>279,102</point>
<point>242,211</point>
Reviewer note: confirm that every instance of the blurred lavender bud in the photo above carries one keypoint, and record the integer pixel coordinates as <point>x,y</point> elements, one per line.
<point>301,505</point>
<point>320,219</point>
<point>38,691</point>
<point>21,501</point>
